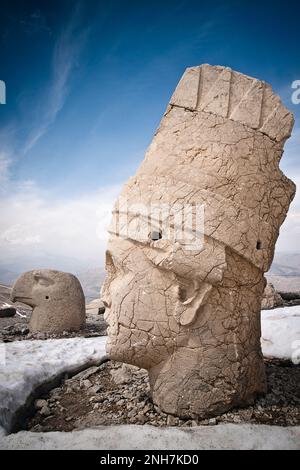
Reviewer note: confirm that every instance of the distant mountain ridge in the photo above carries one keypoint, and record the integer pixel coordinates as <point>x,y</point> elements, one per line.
<point>91,281</point>
<point>284,272</point>
<point>286,264</point>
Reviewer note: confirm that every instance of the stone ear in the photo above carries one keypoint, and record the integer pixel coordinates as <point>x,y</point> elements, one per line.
<point>43,280</point>
<point>187,309</point>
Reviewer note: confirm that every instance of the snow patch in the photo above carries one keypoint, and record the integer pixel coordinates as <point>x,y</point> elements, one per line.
<point>27,365</point>
<point>222,436</point>
<point>280,336</point>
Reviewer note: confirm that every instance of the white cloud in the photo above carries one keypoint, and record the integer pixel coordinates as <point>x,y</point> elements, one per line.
<point>74,228</point>
<point>16,235</point>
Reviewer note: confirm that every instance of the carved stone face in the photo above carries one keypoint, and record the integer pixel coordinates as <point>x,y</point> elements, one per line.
<point>186,330</point>
<point>149,308</point>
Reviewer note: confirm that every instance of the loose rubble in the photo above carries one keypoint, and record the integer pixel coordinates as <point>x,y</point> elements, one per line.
<point>17,329</point>
<point>115,393</point>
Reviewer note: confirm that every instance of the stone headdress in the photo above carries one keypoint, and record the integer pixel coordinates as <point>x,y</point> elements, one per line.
<point>219,144</point>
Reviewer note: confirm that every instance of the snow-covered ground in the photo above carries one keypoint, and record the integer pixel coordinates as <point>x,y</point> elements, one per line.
<point>26,365</point>
<point>223,436</point>
<point>280,333</point>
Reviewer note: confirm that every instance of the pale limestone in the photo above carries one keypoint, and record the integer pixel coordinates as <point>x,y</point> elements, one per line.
<point>56,297</point>
<point>192,317</point>
<point>271,298</point>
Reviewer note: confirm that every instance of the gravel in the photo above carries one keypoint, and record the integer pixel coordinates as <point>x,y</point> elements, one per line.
<point>116,393</point>
<point>16,329</point>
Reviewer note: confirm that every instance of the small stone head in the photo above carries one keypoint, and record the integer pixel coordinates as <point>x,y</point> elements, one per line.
<point>56,297</point>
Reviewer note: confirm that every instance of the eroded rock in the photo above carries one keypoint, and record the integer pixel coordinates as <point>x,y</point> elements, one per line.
<point>187,308</point>
<point>271,298</point>
<point>7,312</point>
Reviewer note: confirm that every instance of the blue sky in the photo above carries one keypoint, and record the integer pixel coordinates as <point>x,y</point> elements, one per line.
<point>87,84</point>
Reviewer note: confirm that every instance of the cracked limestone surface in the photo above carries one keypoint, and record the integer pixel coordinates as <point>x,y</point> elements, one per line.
<point>56,297</point>
<point>188,310</point>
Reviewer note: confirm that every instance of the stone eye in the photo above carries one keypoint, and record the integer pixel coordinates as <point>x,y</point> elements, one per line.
<point>156,235</point>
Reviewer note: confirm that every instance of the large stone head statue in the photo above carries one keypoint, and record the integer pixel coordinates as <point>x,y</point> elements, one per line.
<point>56,297</point>
<point>192,235</point>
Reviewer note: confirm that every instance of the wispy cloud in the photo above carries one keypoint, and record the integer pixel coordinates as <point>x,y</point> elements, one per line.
<point>65,57</point>
<point>5,163</point>
<point>15,143</point>
<point>35,23</point>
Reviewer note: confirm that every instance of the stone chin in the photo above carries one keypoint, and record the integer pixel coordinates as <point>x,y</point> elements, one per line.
<point>110,348</point>
<point>121,351</point>
<point>116,346</point>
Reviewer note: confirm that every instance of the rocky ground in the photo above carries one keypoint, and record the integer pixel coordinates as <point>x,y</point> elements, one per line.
<point>16,328</point>
<point>119,394</point>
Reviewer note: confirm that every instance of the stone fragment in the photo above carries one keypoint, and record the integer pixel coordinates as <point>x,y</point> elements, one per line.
<point>86,383</point>
<point>123,375</point>
<point>95,389</point>
<point>6,312</point>
<point>45,411</point>
<point>192,234</point>
<point>39,404</point>
<point>172,420</point>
